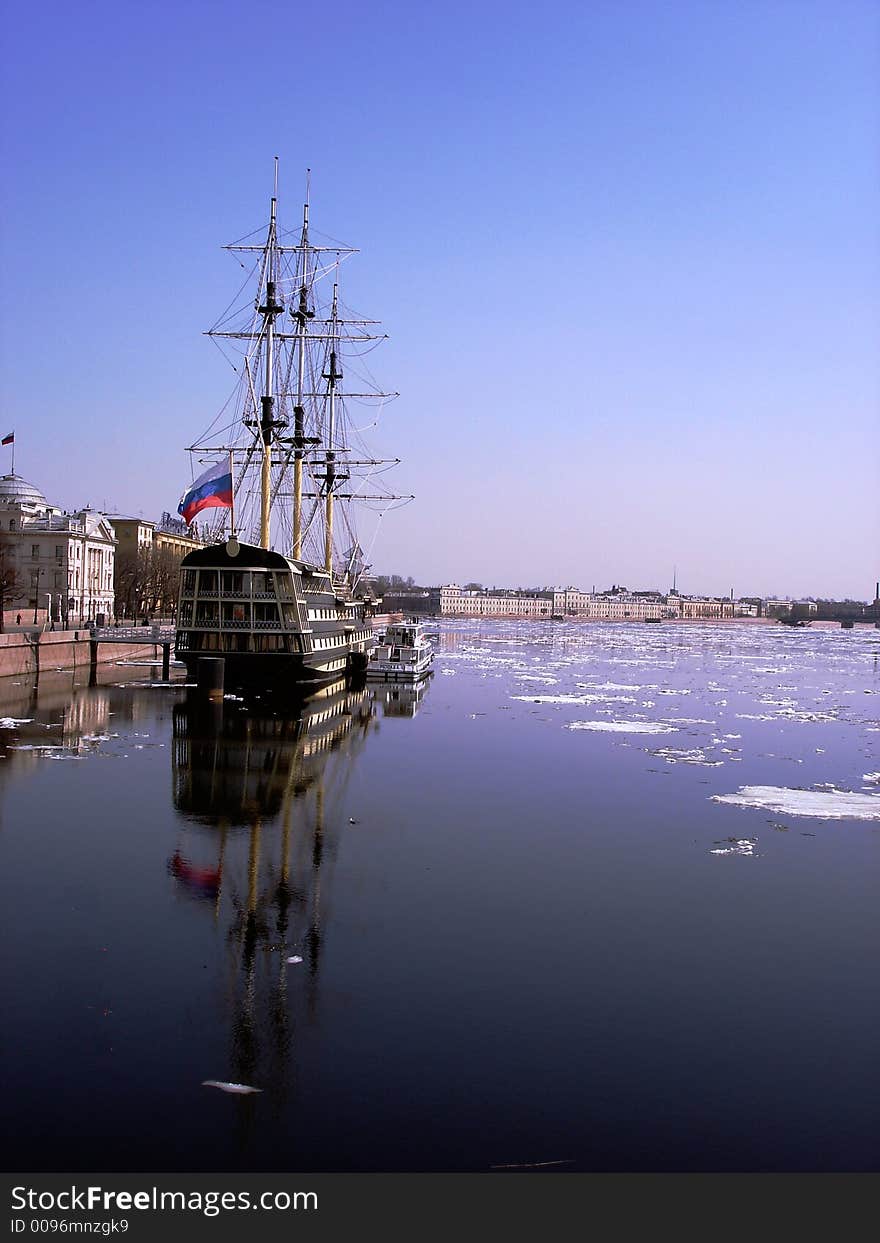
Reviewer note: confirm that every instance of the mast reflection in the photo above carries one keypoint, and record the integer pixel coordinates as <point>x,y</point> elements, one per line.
<point>261,793</point>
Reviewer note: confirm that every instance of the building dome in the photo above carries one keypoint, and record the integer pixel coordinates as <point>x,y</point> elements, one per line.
<point>17,491</point>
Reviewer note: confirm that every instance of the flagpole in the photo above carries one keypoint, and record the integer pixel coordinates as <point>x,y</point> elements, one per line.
<point>13,453</point>
<point>232,499</point>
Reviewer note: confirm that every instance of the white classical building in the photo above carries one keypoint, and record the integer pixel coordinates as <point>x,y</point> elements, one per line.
<point>54,565</point>
<point>618,604</point>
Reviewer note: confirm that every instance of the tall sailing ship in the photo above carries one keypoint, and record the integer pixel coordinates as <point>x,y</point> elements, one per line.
<point>271,592</point>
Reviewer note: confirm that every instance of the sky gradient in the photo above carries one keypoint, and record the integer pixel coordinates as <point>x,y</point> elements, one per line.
<point>627,254</point>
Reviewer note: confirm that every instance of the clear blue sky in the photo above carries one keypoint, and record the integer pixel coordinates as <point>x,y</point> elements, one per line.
<point>627,254</point>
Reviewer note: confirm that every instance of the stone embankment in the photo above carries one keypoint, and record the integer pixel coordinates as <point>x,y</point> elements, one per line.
<point>24,652</point>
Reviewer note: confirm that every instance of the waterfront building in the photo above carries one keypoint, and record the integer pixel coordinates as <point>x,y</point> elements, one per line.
<point>781,608</point>
<point>455,601</point>
<point>699,608</point>
<point>55,566</point>
<point>148,562</point>
<point>616,604</point>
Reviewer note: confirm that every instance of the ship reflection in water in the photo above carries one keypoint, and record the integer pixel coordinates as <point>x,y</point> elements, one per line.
<point>260,794</point>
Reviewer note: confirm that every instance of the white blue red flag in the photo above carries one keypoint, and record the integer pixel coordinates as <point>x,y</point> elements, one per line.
<point>214,487</point>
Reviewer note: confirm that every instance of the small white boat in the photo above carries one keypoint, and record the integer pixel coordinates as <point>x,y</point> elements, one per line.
<point>402,653</point>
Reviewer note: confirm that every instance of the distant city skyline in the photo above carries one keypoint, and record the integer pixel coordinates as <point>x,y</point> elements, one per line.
<point>628,259</point>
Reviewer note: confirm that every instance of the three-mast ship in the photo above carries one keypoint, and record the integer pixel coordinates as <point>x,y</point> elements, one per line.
<point>272,593</point>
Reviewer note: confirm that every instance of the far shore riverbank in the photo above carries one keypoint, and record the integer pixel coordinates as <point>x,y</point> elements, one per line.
<point>630,621</point>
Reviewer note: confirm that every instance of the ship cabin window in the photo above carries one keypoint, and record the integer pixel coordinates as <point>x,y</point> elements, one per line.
<point>235,614</point>
<point>184,615</point>
<point>188,582</point>
<point>290,618</point>
<point>206,614</point>
<point>232,582</point>
<point>207,581</point>
<point>261,583</point>
<point>266,613</point>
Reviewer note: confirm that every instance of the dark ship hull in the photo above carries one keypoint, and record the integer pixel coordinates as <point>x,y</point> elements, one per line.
<point>277,623</point>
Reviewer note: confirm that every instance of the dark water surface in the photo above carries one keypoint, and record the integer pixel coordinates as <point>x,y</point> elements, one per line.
<point>603,895</point>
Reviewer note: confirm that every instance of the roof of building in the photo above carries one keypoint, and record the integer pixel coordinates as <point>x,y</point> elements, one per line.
<point>15,490</point>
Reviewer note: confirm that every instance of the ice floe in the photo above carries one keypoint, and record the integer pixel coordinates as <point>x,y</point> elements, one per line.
<point>237,1089</point>
<point>682,755</point>
<point>580,700</point>
<point>624,727</point>
<point>827,804</point>
<point>738,846</point>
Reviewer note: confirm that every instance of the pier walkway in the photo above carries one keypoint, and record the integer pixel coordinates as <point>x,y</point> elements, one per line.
<point>138,636</point>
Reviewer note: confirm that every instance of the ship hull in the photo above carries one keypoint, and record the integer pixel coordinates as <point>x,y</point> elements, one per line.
<point>277,624</point>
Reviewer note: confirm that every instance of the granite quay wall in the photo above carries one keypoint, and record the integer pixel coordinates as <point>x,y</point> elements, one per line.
<point>26,652</point>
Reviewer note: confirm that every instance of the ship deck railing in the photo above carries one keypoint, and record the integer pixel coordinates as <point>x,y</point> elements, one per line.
<point>226,624</point>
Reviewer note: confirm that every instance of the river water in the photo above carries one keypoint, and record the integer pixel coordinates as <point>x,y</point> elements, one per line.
<point>600,896</point>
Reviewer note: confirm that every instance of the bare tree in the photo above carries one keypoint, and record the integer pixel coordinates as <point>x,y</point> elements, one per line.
<point>12,586</point>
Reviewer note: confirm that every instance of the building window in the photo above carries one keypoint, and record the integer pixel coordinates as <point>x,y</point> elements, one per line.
<point>35,550</point>
<point>59,551</point>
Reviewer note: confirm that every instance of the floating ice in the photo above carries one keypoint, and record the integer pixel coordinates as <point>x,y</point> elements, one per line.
<point>681,755</point>
<point>610,686</point>
<point>624,727</point>
<point>738,846</point>
<point>34,746</point>
<point>581,700</point>
<point>240,1089</point>
<point>11,722</point>
<point>826,804</point>
<point>294,958</point>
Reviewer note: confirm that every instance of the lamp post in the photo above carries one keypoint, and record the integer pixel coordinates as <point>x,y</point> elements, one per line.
<point>36,592</point>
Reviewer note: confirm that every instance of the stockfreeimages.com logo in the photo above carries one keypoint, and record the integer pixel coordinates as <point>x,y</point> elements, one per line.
<point>209,1203</point>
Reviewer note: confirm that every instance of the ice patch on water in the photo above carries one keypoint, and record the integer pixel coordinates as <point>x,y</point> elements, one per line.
<point>873,777</point>
<point>791,714</point>
<point>581,700</point>
<point>739,846</point>
<point>680,755</point>
<point>827,804</point>
<point>624,727</point>
<point>11,722</point>
<point>610,686</point>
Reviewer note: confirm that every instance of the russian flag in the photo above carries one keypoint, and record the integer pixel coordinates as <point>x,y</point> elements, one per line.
<point>214,487</point>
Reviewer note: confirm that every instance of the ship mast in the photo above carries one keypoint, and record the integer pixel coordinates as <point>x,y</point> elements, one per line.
<point>302,315</point>
<point>269,310</point>
<point>331,376</point>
